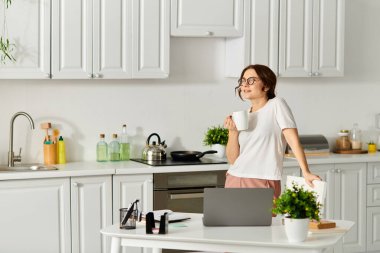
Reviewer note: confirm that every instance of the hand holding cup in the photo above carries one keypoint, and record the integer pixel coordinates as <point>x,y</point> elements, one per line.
<point>240,118</point>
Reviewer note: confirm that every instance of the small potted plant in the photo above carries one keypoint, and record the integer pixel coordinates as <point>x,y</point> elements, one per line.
<point>299,207</point>
<point>217,138</point>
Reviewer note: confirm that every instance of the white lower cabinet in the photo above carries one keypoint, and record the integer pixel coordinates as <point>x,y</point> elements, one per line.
<point>373,207</point>
<point>373,229</point>
<point>91,210</point>
<point>128,188</point>
<point>346,199</point>
<point>35,216</point>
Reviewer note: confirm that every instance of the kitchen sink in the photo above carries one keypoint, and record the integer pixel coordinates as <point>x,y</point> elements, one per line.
<point>27,167</point>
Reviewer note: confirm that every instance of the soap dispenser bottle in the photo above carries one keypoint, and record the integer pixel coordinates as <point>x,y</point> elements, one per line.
<point>114,149</point>
<point>124,145</point>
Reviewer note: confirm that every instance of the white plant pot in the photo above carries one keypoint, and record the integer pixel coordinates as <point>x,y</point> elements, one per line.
<point>220,148</point>
<point>296,229</point>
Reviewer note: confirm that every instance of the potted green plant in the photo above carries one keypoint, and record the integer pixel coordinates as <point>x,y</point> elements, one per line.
<point>216,137</point>
<point>299,207</point>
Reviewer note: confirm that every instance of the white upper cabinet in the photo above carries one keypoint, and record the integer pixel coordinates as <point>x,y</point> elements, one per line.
<point>91,39</point>
<point>72,27</point>
<point>204,18</point>
<point>311,41</point>
<point>111,39</point>
<point>259,44</point>
<point>28,27</point>
<point>151,38</point>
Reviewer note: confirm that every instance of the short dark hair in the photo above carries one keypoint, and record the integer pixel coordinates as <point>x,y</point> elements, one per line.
<point>267,76</point>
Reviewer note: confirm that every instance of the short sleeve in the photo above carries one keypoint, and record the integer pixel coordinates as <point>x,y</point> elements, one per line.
<point>284,115</point>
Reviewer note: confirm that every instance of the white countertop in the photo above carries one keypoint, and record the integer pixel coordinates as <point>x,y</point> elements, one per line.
<point>131,167</point>
<point>231,239</point>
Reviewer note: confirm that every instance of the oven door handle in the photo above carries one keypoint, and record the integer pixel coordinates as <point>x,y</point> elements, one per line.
<point>186,195</point>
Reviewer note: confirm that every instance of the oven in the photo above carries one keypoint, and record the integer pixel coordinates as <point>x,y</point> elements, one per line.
<point>183,191</point>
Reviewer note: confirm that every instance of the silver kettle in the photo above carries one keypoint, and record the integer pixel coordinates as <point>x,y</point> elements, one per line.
<point>154,151</point>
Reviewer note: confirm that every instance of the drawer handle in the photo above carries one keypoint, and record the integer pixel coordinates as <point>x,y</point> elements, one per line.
<point>186,195</point>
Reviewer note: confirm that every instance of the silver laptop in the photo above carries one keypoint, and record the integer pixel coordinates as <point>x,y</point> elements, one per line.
<point>237,206</point>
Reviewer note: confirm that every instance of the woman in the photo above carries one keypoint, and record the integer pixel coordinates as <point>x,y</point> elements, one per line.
<point>256,154</point>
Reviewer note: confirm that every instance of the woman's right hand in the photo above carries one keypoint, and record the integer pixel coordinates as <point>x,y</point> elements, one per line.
<point>230,124</point>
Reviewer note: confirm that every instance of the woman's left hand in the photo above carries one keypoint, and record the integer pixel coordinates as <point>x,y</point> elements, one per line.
<point>310,177</point>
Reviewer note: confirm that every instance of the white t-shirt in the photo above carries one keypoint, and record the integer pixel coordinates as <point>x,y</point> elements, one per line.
<point>262,145</point>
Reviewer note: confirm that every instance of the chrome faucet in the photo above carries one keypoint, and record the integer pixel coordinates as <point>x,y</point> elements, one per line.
<point>11,157</point>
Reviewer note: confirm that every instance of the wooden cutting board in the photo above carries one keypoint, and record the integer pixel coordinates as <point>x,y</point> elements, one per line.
<point>352,151</point>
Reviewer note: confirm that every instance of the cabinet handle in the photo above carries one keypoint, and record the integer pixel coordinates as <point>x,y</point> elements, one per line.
<point>317,74</point>
<point>75,184</point>
<point>90,75</point>
<point>209,33</point>
<point>47,75</point>
<point>338,171</point>
<point>186,195</point>
<point>97,75</point>
<point>310,74</point>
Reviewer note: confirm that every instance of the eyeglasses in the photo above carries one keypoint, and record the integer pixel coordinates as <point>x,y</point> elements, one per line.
<point>250,81</point>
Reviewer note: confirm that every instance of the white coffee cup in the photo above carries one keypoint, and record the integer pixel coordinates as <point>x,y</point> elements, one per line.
<point>240,119</point>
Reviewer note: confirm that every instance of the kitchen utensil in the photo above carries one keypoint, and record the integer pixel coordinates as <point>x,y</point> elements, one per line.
<point>46,126</point>
<point>55,135</point>
<point>154,151</point>
<point>190,155</point>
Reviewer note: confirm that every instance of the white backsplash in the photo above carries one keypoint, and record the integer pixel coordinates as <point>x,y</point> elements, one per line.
<point>194,97</point>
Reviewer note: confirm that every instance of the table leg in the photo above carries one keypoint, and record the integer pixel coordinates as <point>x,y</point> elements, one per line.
<point>115,245</point>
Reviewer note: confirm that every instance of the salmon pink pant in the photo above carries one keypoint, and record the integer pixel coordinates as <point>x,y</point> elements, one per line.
<point>241,182</point>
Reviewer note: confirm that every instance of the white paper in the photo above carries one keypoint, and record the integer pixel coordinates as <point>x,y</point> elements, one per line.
<point>173,216</point>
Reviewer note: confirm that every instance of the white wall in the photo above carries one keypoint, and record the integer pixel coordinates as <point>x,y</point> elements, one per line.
<point>194,97</point>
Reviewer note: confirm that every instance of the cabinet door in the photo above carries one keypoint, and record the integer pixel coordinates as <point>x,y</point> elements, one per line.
<point>328,37</point>
<point>91,210</point>
<point>112,39</point>
<point>128,188</point>
<point>259,43</point>
<point>35,216</point>
<point>295,41</point>
<point>373,175</point>
<point>71,39</point>
<point>203,18</point>
<point>151,37</point>
<point>28,27</point>
<point>373,229</point>
<point>351,205</point>
<point>327,173</point>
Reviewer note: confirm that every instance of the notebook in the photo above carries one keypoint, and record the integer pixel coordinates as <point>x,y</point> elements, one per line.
<point>237,206</point>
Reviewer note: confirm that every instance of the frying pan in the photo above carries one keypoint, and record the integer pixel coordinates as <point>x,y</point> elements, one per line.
<point>190,155</point>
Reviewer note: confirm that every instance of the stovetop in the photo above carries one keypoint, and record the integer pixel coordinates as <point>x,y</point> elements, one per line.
<point>171,162</point>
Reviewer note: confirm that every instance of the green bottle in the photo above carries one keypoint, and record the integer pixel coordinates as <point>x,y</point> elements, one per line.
<point>114,149</point>
<point>101,150</point>
<point>124,145</point>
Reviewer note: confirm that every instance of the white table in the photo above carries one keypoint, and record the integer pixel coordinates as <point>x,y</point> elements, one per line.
<point>192,235</point>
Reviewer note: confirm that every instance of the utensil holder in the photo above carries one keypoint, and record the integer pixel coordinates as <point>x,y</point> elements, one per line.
<point>50,153</point>
<point>127,222</point>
